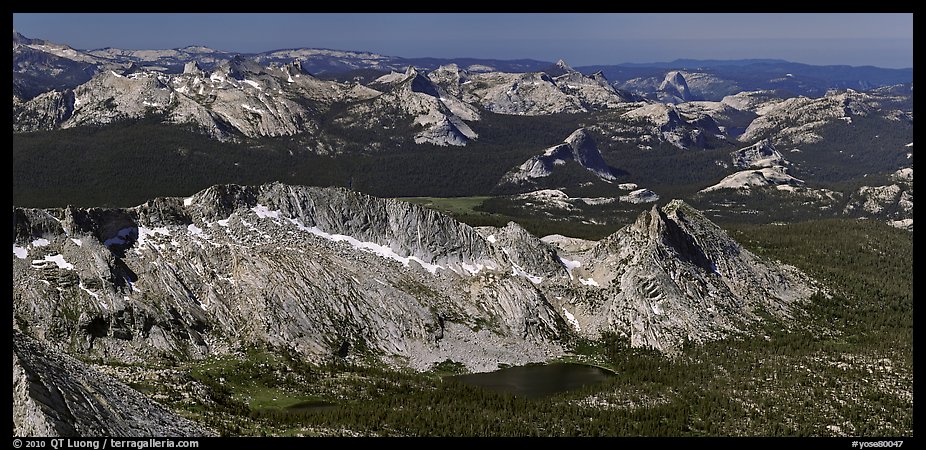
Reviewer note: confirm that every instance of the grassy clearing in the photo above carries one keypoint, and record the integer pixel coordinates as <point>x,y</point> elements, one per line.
<point>451,205</point>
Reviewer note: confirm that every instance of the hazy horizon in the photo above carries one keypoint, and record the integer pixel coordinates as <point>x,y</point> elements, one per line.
<point>881,40</point>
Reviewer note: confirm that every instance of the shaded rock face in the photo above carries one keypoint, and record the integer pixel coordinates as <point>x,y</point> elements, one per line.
<point>578,147</point>
<point>526,250</point>
<point>665,122</point>
<point>57,395</point>
<point>330,273</point>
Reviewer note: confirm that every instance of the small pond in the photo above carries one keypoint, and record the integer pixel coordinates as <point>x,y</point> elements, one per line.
<point>537,380</point>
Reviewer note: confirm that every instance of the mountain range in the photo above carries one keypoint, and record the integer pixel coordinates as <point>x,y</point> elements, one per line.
<point>74,66</point>
<point>191,205</point>
<point>328,272</point>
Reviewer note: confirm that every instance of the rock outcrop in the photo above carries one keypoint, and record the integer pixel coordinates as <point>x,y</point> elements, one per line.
<point>765,166</point>
<point>673,276</point>
<point>579,147</point>
<point>674,89</point>
<point>441,115</point>
<point>57,395</point>
<point>893,202</point>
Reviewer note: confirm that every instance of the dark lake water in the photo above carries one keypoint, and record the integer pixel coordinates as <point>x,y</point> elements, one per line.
<point>537,381</point>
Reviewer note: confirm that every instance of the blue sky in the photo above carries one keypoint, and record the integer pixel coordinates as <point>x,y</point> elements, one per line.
<point>884,40</point>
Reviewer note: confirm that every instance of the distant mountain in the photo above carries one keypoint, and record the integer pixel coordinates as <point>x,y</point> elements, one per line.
<point>753,74</point>
<point>728,76</point>
<point>690,63</point>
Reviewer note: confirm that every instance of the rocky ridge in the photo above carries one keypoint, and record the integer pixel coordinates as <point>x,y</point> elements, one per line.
<point>331,272</point>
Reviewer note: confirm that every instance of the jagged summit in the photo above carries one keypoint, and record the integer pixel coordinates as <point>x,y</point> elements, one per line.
<point>677,275</point>
<point>579,147</point>
<point>599,77</point>
<point>19,38</point>
<point>559,68</point>
<point>319,268</point>
<point>441,115</point>
<point>328,272</point>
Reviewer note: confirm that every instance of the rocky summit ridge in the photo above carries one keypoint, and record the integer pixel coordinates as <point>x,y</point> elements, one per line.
<point>321,270</point>
<point>331,273</point>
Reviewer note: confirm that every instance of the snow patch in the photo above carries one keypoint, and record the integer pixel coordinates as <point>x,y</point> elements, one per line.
<point>491,238</point>
<point>140,233</point>
<point>78,242</point>
<point>254,110</point>
<point>57,259</point>
<point>121,237</point>
<point>588,282</point>
<point>570,265</point>
<point>254,84</point>
<point>145,232</point>
<point>115,74</point>
<point>20,252</point>
<point>188,201</point>
<point>473,270</point>
<point>370,247</point>
<point>519,271</point>
<point>262,212</point>
<point>92,294</point>
<point>197,231</point>
<point>572,320</point>
<point>40,242</point>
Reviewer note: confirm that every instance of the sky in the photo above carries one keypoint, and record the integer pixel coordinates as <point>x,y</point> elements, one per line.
<point>883,40</point>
